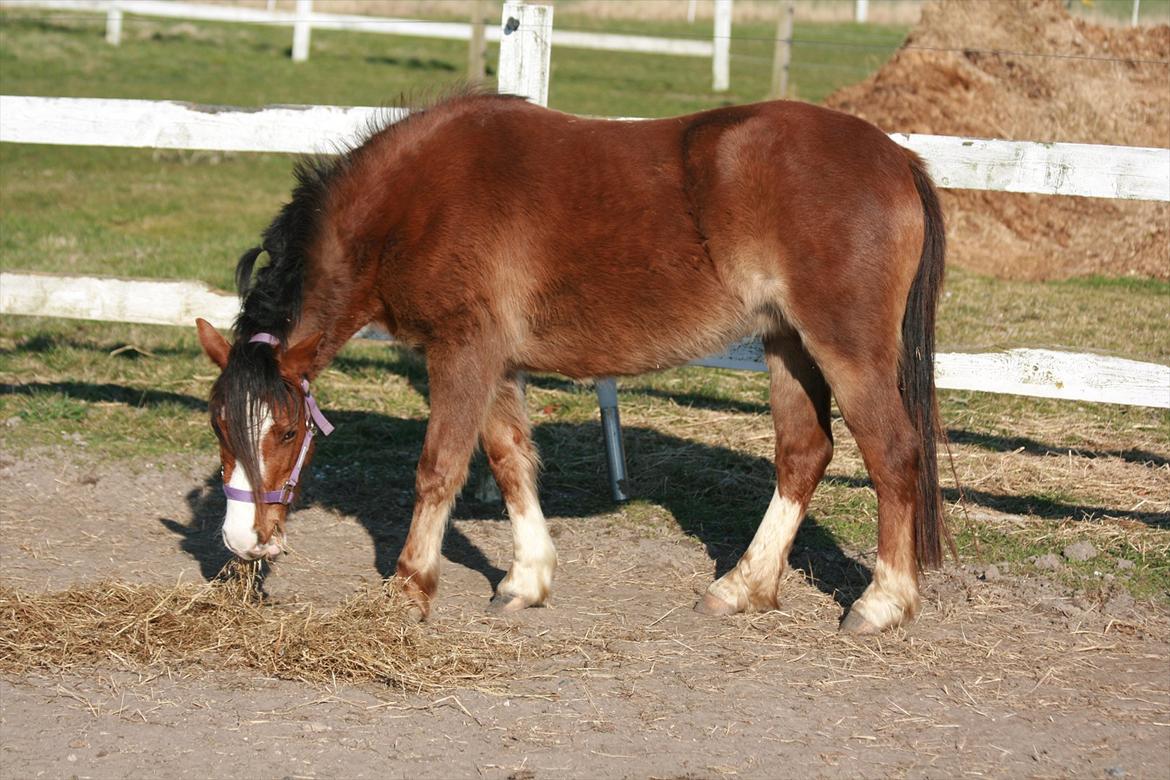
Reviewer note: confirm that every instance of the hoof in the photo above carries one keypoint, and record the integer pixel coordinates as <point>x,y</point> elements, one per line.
<point>857,625</point>
<point>508,602</point>
<point>414,613</point>
<point>714,606</point>
<point>418,603</point>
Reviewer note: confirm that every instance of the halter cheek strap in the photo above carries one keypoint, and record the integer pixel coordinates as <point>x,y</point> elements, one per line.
<point>317,422</point>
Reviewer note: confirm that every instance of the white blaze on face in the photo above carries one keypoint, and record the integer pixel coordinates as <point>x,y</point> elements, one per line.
<point>239,522</point>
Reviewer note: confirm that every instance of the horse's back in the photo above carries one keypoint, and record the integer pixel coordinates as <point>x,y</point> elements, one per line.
<point>598,247</point>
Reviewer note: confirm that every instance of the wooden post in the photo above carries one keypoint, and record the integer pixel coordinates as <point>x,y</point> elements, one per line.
<point>721,61</point>
<point>301,30</point>
<point>1137,5</point>
<point>783,54</point>
<point>692,7</point>
<point>114,25</point>
<point>477,45</point>
<point>861,11</point>
<point>526,51</point>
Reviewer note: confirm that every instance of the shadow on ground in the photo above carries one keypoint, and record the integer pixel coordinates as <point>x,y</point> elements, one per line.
<point>717,495</point>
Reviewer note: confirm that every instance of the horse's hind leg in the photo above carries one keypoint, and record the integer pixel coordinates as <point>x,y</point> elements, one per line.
<point>804,446</point>
<point>872,407</point>
<point>507,440</point>
<point>461,390</point>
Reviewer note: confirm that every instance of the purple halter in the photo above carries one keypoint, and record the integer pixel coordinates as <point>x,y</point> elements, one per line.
<point>317,422</point>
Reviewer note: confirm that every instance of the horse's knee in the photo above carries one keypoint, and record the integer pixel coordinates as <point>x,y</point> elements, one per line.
<point>439,477</point>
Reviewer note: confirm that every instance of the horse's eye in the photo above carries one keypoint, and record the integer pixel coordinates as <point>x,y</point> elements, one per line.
<point>289,435</point>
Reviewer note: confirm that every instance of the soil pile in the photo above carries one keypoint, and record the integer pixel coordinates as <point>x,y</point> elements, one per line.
<point>969,69</point>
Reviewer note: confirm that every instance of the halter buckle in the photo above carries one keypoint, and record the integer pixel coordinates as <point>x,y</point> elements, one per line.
<point>287,493</point>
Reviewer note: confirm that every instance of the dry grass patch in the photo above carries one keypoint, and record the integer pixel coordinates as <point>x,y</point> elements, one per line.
<point>371,637</point>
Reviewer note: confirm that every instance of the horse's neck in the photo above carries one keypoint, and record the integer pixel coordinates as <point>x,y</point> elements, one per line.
<point>338,297</point>
<point>336,310</point>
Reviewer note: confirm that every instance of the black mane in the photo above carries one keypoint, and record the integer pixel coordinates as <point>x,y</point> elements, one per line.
<point>272,302</point>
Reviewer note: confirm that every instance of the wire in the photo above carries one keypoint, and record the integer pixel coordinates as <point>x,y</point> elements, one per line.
<point>758,39</point>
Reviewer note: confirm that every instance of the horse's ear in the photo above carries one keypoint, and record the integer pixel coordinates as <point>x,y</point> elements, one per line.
<point>300,357</point>
<point>214,345</point>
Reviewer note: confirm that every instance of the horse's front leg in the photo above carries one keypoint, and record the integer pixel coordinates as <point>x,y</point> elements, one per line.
<point>507,440</point>
<point>461,391</point>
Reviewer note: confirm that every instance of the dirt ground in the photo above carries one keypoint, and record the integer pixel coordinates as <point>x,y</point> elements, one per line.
<point>1004,674</point>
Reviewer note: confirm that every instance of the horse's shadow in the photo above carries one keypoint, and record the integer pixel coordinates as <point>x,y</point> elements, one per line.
<point>715,494</point>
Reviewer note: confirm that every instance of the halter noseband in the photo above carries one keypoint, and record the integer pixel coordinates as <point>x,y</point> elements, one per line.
<point>317,422</point>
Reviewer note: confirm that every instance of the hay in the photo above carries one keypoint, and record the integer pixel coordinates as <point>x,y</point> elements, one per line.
<point>965,70</point>
<point>223,625</point>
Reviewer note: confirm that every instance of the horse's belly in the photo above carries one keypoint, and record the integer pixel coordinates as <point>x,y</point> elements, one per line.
<point>622,319</point>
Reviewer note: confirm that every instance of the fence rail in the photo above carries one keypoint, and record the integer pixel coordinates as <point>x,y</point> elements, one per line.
<point>1087,170</point>
<point>1041,373</point>
<point>1035,372</point>
<point>456,31</point>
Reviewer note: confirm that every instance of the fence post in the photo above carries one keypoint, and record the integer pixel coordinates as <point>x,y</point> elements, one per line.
<point>114,25</point>
<point>525,54</point>
<point>861,11</point>
<point>783,53</point>
<point>526,51</point>
<point>1137,8</point>
<point>301,30</point>
<point>477,44</point>
<point>721,61</point>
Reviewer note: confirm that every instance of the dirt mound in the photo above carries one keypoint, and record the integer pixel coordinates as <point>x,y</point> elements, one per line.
<point>969,69</point>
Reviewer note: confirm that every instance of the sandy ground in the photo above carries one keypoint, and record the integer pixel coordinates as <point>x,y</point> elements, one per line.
<point>1004,675</point>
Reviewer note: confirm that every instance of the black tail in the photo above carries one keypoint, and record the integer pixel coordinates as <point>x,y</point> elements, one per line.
<point>917,374</point>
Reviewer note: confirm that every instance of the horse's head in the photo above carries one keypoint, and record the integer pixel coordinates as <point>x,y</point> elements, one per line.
<point>265,420</point>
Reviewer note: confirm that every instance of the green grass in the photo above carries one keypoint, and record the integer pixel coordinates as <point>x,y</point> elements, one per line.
<point>1124,317</point>
<point>57,53</point>
<point>698,440</point>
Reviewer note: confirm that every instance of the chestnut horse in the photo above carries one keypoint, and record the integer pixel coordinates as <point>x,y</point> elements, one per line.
<point>499,237</point>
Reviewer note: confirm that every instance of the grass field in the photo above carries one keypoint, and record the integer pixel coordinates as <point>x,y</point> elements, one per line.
<point>1038,474</point>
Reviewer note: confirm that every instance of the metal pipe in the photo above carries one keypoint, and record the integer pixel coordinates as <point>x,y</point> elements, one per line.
<point>611,428</point>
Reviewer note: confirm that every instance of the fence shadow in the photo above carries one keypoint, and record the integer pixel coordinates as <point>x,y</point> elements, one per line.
<point>1031,446</point>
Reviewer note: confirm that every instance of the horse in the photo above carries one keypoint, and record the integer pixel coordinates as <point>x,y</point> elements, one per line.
<point>498,237</point>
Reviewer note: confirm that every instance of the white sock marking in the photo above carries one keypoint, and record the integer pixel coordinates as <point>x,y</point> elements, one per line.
<point>534,556</point>
<point>758,571</point>
<point>890,599</point>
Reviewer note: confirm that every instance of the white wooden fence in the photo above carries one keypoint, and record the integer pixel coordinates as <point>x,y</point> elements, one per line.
<point>1053,169</point>
<point>1087,170</point>
<point>304,20</point>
